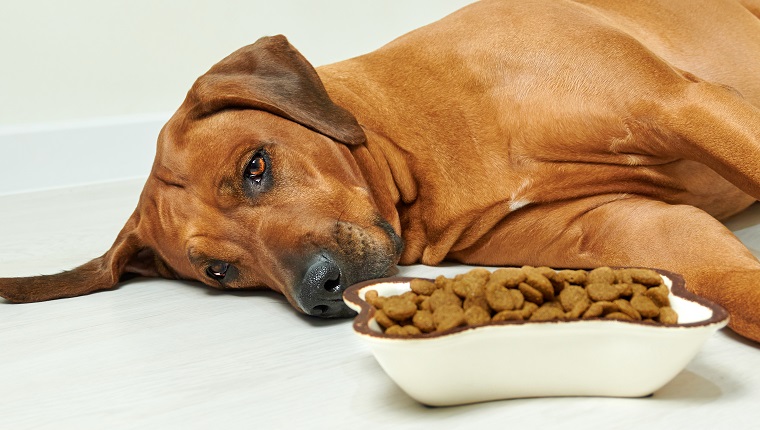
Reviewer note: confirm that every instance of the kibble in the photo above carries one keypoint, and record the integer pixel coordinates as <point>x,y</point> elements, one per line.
<point>480,297</point>
<point>602,292</point>
<point>498,298</point>
<point>531,294</point>
<point>442,297</point>
<point>421,286</point>
<point>476,316</point>
<point>423,319</point>
<point>447,317</point>
<point>668,315</point>
<point>399,308</point>
<point>645,306</point>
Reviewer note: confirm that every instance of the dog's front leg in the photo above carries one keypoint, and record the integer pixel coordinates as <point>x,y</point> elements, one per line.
<point>632,231</point>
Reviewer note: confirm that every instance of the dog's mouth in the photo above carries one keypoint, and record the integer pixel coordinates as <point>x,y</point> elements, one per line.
<point>327,309</point>
<point>396,241</point>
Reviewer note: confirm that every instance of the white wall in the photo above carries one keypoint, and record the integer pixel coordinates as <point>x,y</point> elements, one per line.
<point>85,85</point>
<point>66,60</point>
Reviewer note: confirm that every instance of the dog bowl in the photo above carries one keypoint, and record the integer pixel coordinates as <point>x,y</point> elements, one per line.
<point>518,359</point>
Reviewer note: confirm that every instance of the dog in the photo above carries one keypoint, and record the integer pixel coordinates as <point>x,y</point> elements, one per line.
<point>569,134</point>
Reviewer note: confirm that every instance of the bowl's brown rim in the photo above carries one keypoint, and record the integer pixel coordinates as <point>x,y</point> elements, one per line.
<point>678,288</point>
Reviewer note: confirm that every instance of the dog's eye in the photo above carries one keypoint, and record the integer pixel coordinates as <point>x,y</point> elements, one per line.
<point>256,168</point>
<point>217,270</point>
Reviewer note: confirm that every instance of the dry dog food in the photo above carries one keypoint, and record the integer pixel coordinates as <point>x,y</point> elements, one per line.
<point>525,294</point>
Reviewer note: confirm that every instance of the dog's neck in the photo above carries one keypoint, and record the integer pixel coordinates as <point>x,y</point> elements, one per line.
<point>419,198</point>
<point>384,164</point>
<point>423,213</point>
<point>387,173</point>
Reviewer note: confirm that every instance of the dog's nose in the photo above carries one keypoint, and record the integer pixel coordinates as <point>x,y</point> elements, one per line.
<point>321,290</point>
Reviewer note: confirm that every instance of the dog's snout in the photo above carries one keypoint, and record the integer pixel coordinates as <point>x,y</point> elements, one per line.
<point>321,290</point>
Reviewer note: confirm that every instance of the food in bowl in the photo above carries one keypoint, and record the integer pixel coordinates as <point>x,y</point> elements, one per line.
<point>481,297</point>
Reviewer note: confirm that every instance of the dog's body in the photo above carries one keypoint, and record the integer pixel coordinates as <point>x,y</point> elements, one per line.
<point>567,134</point>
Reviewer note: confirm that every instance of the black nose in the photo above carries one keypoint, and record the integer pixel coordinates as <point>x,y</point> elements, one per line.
<point>321,290</point>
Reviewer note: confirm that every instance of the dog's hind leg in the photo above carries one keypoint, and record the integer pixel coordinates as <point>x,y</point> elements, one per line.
<point>632,231</point>
<point>753,6</point>
<point>716,126</point>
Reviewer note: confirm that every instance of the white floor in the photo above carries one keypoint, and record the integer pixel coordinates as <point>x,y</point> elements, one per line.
<point>158,354</point>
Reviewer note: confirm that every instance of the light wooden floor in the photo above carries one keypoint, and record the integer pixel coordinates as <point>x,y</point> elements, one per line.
<point>158,354</point>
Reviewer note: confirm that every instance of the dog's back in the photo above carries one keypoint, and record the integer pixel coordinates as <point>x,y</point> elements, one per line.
<point>572,134</point>
<point>531,87</point>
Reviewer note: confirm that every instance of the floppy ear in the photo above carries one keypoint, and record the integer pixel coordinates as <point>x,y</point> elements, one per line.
<point>271,75</point>
<point>126,256</point>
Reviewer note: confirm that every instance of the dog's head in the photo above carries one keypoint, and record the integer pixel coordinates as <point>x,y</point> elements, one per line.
<point>253,185</point>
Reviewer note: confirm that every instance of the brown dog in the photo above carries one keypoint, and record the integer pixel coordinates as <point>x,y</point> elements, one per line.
<point>567,134</point>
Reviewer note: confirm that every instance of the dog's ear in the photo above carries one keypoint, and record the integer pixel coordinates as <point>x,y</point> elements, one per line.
<point>127,256</point>
<point>271,75</point>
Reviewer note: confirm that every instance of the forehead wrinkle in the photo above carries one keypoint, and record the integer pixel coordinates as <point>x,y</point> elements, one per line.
<point>181,211</point>
<point>220,233</point>
<point>171,229</point>
<point>168,177</point>
<point>200,155</point>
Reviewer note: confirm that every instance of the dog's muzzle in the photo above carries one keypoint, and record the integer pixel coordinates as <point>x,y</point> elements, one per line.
<point>321,290</point>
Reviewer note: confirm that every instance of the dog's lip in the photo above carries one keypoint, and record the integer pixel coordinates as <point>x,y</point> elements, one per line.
<point>344,312</point>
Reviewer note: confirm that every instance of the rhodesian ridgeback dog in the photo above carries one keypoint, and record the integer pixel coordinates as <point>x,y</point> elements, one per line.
<point>553,133</point>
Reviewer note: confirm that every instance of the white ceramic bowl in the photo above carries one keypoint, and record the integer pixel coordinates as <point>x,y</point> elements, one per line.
<point>514,359</point>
